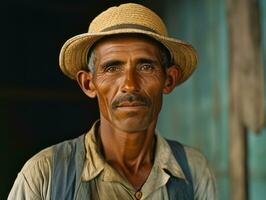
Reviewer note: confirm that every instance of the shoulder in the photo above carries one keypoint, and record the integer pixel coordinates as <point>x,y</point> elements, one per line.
<point>34,179</point>
<point>39,160</point>
<point>195,157</point>
<point>45,158</point>
<point>203,178</point>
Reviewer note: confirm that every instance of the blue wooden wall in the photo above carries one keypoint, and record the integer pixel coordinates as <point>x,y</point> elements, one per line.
<point>196,113</point>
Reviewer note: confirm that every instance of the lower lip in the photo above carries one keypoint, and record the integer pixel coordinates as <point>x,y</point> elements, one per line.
<point>131,107</point>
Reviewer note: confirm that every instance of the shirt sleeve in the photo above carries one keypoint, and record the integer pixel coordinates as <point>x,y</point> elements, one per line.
<point>34,180</point>
<point>21,190</point>
<point>204,182</point>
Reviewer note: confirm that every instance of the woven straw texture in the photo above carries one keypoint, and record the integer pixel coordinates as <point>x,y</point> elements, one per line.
<point>126,18</point>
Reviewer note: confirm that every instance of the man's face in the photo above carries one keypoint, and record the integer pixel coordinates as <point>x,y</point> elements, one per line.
<point>128,82</point>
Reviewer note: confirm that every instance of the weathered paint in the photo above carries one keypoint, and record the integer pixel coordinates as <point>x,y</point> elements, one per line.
<point>197,112</point>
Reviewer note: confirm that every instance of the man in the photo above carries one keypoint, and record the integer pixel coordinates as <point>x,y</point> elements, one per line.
<point>128,62</point>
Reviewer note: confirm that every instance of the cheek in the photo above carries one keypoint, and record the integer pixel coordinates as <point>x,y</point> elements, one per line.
<point>153,83</point>
<point>105,93</point>
<point>155,80</point>
<point>153,87</point>
<point>157,100</point>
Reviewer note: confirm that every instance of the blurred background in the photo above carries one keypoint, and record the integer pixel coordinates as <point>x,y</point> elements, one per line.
<point>39,106</point>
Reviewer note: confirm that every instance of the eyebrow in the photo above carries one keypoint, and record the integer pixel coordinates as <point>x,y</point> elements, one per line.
<point>147,60</point>
<point>110,63</point>
<point>119,62</point>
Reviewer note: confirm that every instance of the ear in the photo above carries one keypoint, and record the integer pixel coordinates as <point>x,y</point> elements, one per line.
<point>85,82</point>
<point>173,73</point>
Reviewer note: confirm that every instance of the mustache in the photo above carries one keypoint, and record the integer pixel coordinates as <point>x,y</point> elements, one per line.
<point>131,98</point>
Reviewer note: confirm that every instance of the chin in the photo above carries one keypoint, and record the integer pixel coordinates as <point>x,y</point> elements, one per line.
<point>132,125</point>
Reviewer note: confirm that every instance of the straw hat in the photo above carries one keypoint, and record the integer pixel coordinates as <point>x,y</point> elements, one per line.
<point>126,18</point>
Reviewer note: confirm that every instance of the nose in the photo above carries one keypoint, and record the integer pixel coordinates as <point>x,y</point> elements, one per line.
<point>130,82</point>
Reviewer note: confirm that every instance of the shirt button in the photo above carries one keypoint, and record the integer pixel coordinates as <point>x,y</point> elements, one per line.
<point>138,195</point>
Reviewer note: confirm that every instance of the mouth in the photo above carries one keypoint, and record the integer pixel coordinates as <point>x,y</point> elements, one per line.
<point>131,105</point>
<point>131,102</point>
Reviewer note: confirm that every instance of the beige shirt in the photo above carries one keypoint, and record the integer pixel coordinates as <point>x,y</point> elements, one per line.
<point>34,180</point>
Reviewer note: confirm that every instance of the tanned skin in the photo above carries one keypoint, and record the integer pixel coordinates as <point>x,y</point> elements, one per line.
<point>129,82</point>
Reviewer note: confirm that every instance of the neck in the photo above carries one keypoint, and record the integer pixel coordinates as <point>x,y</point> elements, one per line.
<point>129,153</point>
<point>127,149</point>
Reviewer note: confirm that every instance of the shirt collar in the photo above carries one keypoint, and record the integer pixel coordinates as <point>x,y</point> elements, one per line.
<point>165,159</point>
<point>94,160</point>
<point>95,163</point>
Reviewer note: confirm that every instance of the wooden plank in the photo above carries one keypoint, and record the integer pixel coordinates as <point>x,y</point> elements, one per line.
<point>246,88</point>
<point>238,157</point>
<point>246,60</point>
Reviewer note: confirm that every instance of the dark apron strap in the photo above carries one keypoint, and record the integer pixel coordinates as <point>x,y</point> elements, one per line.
<point>67,168</point>
<point>179,189</point>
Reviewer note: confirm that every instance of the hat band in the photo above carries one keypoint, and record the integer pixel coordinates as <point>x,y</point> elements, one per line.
<point>128,26</point>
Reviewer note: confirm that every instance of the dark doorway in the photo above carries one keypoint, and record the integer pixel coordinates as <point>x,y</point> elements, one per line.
<point>39,106</point>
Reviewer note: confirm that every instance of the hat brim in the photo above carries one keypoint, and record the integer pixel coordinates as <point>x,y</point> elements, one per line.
<point>73,55</point>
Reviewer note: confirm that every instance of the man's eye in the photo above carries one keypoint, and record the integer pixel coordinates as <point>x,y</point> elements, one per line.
<point>146,68</point>
<point>112,69</point>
